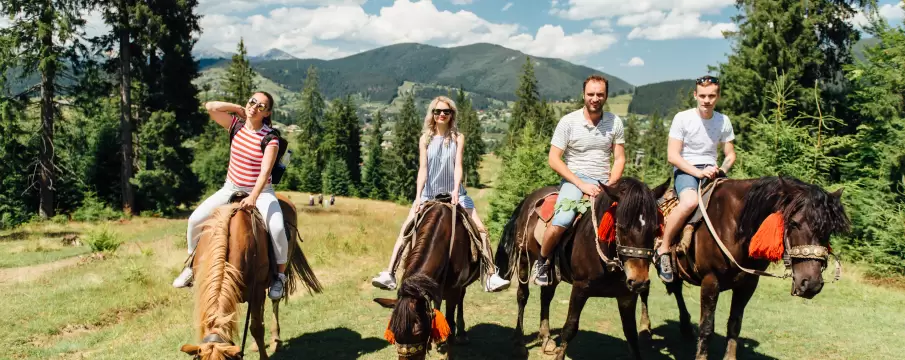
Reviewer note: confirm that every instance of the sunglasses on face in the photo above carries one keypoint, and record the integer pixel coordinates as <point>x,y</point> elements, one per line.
<point>442,111</point>
<point>257,105</point>
<point>707,80</point>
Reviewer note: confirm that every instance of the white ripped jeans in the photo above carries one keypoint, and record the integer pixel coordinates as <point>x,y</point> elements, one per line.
<point>267,204</point>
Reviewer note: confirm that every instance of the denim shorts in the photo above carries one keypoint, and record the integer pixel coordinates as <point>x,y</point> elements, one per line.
<point>683,180</point>
<point>568,190</point>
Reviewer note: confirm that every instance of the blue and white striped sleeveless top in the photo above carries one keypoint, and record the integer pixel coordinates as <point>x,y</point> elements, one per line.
<point>441,166</point>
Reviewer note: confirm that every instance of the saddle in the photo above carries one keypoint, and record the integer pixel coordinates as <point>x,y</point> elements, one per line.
<point>462,215</point>
<point>669,202</point>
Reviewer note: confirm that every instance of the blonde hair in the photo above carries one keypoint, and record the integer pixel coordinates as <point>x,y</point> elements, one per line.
<point>430,125</point>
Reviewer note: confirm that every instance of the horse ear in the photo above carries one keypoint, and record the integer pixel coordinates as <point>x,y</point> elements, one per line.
<point>659,191</point>
<point>609,191</point>
<point>838,193</point>
<point>190,349</point>
<point>387,303</point>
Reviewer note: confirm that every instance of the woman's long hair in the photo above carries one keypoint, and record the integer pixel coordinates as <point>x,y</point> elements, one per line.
<point>430,125</point>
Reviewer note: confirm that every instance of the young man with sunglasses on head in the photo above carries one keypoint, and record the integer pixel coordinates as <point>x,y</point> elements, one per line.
<point>694,137</point>
<point>582,146</point>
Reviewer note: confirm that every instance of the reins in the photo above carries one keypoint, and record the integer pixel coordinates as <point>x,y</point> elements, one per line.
<point>815,252</point>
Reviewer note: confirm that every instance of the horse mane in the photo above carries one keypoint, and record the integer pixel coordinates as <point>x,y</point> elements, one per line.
<point>429,220</point>
<point>790,195</point>
<point>406,313</point>
<point>219,294</point>
<point>635,200</point>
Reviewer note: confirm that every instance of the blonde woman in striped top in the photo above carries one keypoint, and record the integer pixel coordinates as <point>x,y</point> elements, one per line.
<point>249,171</point>
<point>440,171</point>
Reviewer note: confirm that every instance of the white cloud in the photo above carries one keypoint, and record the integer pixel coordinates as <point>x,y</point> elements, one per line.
<point>635,61</point>
<point>602,25</point>
<point>334,31</point>
<point>893,13</point>
<point>234,6</point>
<point>650,17</point>
<point>678,25</point>
<point>507,6</point>
<point>462,2</point>
<point>591,9</point>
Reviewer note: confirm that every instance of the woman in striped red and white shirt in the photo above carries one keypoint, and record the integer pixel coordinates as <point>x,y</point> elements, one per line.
<point>249,171</point>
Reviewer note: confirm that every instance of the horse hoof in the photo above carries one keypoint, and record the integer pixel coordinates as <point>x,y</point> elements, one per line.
<point>276,345</point>
<point>645,334</point>
<point>560,354</point>
<point>521,351</point>
<point>549,347</point>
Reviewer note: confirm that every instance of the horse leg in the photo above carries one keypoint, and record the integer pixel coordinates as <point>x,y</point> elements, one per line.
<point>740,297</point>
<point>461,335</point>
<point>519,334</point>
<point>451,318</point>
<point>627,306</point>
<point>710,293</point>
<point>684,316</point>
<point>546,297</point>
<point>645,319</point>
<point>256,327</point>
<point>275,328</point>
<point>570,329</point>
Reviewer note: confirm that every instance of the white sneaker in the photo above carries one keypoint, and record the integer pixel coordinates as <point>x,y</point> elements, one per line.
<point>384,281</point>
<point>276,288</point>
<point>496,283</point>
<point>184,279</point>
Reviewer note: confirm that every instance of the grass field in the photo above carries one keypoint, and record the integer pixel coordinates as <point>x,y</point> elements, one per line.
<point>122,306</point>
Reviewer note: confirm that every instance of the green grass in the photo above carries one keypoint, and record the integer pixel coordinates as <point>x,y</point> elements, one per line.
<point>124,308</point>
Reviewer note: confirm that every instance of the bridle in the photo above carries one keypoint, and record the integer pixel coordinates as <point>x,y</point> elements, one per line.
<point>622,251</point>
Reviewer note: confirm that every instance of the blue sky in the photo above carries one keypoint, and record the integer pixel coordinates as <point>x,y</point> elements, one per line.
<point>636,40</point>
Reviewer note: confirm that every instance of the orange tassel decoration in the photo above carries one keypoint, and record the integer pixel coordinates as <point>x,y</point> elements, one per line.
<point>439,327</point>
<point>607,231</point>
<point>767,242</point>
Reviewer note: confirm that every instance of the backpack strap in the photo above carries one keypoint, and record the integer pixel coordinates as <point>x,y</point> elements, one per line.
<point>237,125</point>
<point>282,143</point>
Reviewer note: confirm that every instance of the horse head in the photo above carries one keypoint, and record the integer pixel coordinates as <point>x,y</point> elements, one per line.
<point>412,322</point>
<point>638,223</point>
<point>810,216</point>
<point>213,347</point>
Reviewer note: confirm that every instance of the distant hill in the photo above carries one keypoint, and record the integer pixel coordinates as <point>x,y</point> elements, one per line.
<point>661,97</point>
<point>858,48</point>
<point>489,70</point>
<point>272,54</point>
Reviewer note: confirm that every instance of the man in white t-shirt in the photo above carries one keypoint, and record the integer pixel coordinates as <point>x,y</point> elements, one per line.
<point>694,137</point>
<point>580,152</point>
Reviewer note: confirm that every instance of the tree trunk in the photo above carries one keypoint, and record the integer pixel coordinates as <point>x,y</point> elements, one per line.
<point>126,107</point>
<point>46,174</point>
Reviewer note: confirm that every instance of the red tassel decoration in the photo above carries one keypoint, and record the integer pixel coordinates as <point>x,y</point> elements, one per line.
<point>767,242</point>
<point>607,231</point>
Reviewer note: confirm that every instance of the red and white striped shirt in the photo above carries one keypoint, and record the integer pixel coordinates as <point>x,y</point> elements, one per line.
<point>245,156</point>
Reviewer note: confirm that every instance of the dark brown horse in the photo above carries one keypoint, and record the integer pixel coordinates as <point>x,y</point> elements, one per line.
<point>578,260</point>
<point>233,267</point>
<point>737,209</point>
<point>434,272</point>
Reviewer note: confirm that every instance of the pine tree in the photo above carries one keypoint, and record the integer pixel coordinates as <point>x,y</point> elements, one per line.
<point>239,79</point>
<point>352,140</point>
<point>336,178</point>
<point>470,127</point>
<point>526,107</point>
<point>402,169</point>
<point>373,182</point>
<point>808,41</point>
<point>41,34</point>
<point>16,202</point>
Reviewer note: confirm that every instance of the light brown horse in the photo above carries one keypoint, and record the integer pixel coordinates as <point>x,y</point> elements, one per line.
<point>233,267</point>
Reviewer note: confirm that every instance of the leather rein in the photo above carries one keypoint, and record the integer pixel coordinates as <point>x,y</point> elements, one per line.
<point>813,252</point>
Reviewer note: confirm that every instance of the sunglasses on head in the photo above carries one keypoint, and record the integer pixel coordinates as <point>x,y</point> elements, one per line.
<point>254,103</point>
<point>442,111</point>
<point>707,80</point>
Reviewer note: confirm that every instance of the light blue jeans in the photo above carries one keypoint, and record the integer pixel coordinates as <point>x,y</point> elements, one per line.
<point>569,191</point>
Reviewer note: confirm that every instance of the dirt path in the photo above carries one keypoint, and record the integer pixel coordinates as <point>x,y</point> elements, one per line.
<point>29,273</point>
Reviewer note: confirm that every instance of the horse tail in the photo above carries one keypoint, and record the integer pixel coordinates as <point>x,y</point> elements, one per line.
<point>297,267</point>
<point>506,256</point>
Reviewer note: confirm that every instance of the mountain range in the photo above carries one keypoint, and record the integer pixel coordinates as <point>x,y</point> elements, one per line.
<point>485,69</point>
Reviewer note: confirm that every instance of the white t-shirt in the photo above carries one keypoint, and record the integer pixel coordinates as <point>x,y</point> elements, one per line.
<point>586,148</point>
<point>700,137</point>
